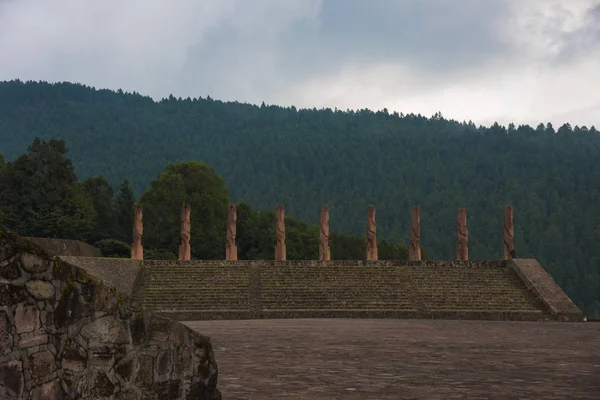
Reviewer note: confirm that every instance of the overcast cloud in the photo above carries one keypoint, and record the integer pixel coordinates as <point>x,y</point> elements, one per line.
<point>522,61</point>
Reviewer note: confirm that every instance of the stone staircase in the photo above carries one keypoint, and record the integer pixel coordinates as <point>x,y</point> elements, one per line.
<point>471,288</point>
<point>250,289</point>
<point>335,287</point>
<point>187,286</point>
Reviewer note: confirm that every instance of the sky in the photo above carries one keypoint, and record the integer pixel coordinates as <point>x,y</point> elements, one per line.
<point>521,61</point>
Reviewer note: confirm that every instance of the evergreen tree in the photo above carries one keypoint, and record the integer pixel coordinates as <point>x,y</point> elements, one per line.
<point>124,203</point>
<point>99,193</point>
<point>41,196</point>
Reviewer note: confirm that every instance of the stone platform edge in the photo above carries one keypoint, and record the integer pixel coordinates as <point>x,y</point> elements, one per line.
<point>538,280</point>
<point>193,315</point>
<point>333,263</point>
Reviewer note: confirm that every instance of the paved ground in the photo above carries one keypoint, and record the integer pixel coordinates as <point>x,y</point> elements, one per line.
<point>405,359</point>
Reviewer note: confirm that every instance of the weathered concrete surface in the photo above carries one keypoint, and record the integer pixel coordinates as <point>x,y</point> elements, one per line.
<point>547,290</point>
<point>405,359</point>
<point>66,247</point>
<point>120,273</point>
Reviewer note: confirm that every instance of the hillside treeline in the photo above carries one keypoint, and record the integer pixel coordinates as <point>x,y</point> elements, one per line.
<point>41,196</point>
<point>346,159</point>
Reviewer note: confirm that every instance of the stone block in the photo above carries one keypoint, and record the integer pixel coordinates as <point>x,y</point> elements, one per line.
<point>101,386</point>
<point>145,373</point>
<point>106,299</point>
<point>178,335</point>
<point>33,340</point>
<point>126,367</point>
<point>101,355</point>
<point>74,357</point>
<point>12,381</point>
<point>170,389</point>
<point>108,329</point>
<point>129,394</point>
<point>27,318</point>
<point>41,290</point>
<point>34,263</point>
<point>6,250</point>
<point>5,336</point>
<point>10,294</point>
<point>70,308</point>
<point>48,391</point>
<point>183,361</point>
<point>163,363</point>
<point>159,329</point>
<point>10,271</point>
<point>41,364</point>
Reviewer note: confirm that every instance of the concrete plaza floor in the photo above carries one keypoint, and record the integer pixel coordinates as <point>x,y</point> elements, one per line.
<point>405,359</point>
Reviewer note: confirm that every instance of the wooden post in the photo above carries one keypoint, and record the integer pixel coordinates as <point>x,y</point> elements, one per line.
<point>324,251</point>
<point>509,234</point>
<point>137,250</point>
<point>185,251</point>
<point>372,254</point>
<point>280,252</point>
<point>231,247</point>
<point>414,250</point>
<point>462,234</point>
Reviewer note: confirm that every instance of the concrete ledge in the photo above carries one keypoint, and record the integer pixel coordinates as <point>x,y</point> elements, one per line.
<point>191,315</point>
<point>196,315</point>
<point>334,263</point>
<point>118,272</point>
<point>66,247</point>
<point>545,288</point>
<point>487,315</point>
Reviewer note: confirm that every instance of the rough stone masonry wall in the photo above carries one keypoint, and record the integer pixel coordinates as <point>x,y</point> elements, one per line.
<point>65,334</point>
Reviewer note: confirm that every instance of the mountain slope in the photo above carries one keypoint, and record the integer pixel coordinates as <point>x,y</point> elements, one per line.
<point>306,158</point>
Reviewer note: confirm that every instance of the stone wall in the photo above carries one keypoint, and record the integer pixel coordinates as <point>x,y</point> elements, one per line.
<point>66,247</point>
<point>67,334</point>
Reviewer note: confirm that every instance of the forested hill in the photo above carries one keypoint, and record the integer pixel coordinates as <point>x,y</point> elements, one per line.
<point>306,158</point>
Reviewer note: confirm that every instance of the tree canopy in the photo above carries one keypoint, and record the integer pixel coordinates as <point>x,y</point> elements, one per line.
<point>199,186</point>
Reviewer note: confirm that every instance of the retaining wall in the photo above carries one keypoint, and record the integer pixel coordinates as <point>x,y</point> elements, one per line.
<point>65,333</point>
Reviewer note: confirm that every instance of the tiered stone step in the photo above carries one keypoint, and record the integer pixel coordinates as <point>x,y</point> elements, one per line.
<point>191,286</point>
<point>335,287</point>
<point>471,288</point>
<point>214,290</point>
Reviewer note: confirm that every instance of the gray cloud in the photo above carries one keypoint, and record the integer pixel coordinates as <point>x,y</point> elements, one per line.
<point>583,40</point>
<point>435,37</point>
<point>527,60</point>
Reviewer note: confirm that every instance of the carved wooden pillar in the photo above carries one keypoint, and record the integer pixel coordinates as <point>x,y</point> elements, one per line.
<point>462,234</point>
<point>509,233</point>
<point>137,250</point>
<point>414,250</point>
<point>372,254</point>
<point>231,247</point>
<point>185,250</point>
<point>280,233</point>
<point>324,251</point>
